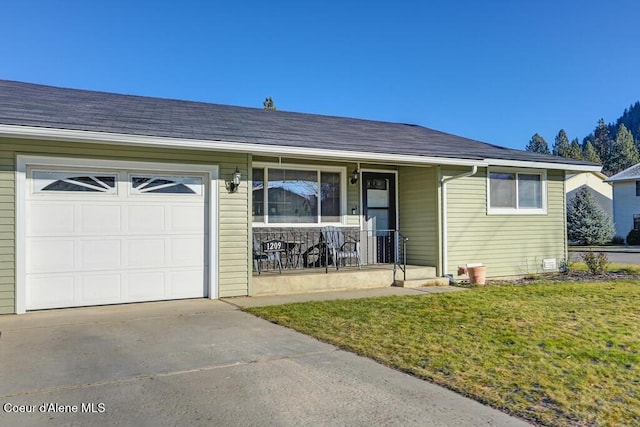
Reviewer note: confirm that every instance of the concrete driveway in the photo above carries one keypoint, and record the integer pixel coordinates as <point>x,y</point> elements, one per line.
<point>202,362</point>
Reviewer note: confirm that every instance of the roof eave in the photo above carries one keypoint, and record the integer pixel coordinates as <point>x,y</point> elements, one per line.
<point>55,134</point>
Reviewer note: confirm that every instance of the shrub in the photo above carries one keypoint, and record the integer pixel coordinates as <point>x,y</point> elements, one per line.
<point>633,238</point>
<point>596,262</point>
<point>617,240</point>
<point>587,222</point>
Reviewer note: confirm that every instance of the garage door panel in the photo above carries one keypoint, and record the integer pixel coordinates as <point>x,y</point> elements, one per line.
<point>100,219</point>
<point>146,253</point>
<point>145,286</point>
<point>48,219</point>
<point>187,251</point>
<point>50,255</point>
<point>100,254</point>
<point>188,219</point>
<point>182,284</point>
<point>50,292</point>
<point>103,289</point>
<point>146,219</point>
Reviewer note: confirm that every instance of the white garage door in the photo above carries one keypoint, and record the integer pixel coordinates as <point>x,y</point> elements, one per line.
<point>105,236</point>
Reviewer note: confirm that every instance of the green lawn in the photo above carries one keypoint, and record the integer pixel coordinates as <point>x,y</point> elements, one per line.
<point>553,353</point>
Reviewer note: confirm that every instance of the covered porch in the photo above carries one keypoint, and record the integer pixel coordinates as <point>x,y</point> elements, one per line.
<point>294,260</point>
<point>317,226</point>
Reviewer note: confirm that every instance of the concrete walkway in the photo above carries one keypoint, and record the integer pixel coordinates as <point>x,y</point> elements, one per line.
<point>331,295</point>
<point>202,363</point>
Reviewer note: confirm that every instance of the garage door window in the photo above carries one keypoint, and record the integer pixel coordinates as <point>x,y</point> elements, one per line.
<point>73,182</point>
<point>166,185</point>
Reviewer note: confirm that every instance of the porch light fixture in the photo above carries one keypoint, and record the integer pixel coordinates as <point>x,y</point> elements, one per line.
<point>355,175</point>
<point>233,184</point>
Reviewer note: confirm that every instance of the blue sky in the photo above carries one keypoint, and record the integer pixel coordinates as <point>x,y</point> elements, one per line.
<point>494,70</point>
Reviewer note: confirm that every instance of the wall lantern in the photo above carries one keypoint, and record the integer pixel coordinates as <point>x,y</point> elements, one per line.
<point>355,174</point>
<point>234,182</point>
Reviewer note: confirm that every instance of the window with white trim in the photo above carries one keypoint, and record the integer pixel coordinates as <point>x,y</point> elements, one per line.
<point>517,192</point>
<point>298,195</point>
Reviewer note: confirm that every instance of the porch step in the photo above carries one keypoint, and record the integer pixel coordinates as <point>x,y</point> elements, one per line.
<point>415,272</point>
<point>419,276</point>
<point>419,283</point>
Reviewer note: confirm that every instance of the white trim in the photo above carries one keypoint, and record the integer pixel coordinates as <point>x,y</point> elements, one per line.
<point>541,165</point>
<point>342,170</point>
<point>24,161</point>
<point>518,210</point>
<point>21,191</point>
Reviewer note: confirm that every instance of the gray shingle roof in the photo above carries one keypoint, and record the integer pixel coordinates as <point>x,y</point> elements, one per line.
<point>630,174</point>
<point>26,104</point>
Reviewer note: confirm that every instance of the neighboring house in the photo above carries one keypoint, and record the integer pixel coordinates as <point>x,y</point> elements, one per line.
<point>595,183</point>
<point>626,200</point>
<point>108,198</point>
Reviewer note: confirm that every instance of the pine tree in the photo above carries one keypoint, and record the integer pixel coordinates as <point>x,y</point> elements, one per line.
<point>589,153</point>
<point>602,141</point>
<point>538,145</point>
<point>268,104</point>
<point>631,119</point>
<point>561,145</point>
<point>587,222</point>
<point>623,152</point>
<point>574,150</point>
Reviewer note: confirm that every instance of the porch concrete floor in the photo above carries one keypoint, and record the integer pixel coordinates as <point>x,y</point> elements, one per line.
<point>343,279</point>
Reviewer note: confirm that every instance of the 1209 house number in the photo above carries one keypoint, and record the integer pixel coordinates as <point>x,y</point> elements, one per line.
<point>273,245</point>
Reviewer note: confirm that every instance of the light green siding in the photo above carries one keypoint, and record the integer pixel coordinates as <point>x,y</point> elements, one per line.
<point>233,209</point>
<point>509,245</point>
<point>418,211</point>
<point>7,231</point>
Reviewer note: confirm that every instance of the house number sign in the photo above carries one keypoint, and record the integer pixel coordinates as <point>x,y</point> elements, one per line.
<point>274,246</point>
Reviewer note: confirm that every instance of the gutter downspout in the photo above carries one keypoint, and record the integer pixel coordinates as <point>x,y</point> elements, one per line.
<point>444,181</point>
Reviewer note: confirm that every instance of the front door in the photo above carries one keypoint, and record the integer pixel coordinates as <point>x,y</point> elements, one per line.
<point>379,202</point>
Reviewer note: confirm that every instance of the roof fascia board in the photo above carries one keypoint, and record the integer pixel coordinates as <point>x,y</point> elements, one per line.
<point>54,134</point>
<point>630,178</point>
<point>542,165</point>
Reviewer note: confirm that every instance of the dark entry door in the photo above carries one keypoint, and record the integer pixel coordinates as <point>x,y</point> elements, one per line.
<point>379,202</point>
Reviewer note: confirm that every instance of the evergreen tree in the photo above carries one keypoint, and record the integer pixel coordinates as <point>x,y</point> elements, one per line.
<point>574,150</point>
<point>587,222</point>
<point>631,119</point>
<point>623,152</point>
<point>602,140</point>
<point>538,145</point>
<point>268,104</point>
<point>589,153</point>
<point>561,145</point>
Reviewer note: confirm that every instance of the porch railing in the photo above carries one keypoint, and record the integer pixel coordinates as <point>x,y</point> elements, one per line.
<point>333,248</point>
<point>401,258</point>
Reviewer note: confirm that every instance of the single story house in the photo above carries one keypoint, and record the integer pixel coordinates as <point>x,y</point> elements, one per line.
<point>626,200</point>
<point>108,198</point>
<point>596,185</point>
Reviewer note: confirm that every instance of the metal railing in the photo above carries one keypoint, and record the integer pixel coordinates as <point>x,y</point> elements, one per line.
<point>331,248</point>
<point>401,256</point>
